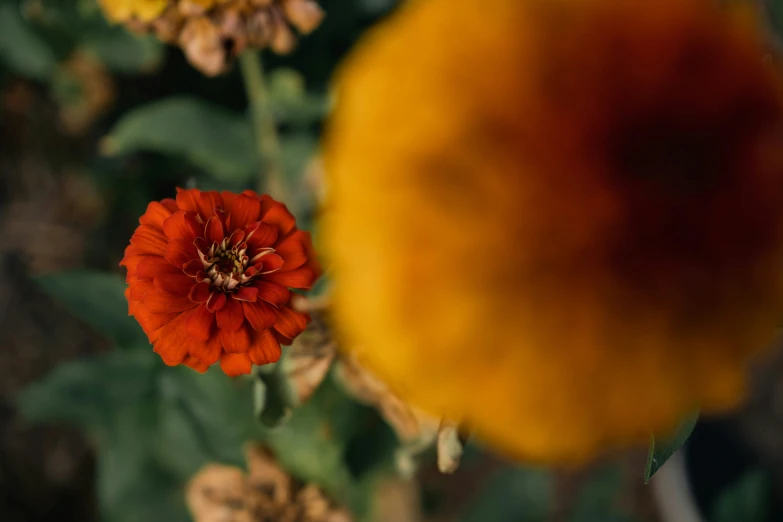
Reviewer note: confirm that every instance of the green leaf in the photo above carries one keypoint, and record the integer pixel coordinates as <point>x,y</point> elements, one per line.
<point>125,52</point>
<point>290,102</point>
<point>211,138</point>
<point>98,299</point>
<point>661,450</point>
<point>218,408</point>
<point>745,500</point>
<point>279,398</point>
<point>513,494</point>
<point>598,498</point>
<point>88,392</point>
<point>21,48</point>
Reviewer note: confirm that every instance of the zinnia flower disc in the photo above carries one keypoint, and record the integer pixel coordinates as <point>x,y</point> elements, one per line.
<point>209,278</point>
<point>558,221</point>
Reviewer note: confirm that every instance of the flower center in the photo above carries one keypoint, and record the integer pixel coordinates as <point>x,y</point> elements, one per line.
<point>227,266</point>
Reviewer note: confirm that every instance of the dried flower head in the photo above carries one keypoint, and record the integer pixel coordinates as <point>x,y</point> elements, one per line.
<point>209,276</point>
<point>564,227</point>
<point>265,494</point>
<point>85,90</point>
<point>213,32</point>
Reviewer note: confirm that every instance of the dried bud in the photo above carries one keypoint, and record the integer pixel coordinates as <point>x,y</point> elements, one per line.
<point>266,493</point>
<point>213,32</point>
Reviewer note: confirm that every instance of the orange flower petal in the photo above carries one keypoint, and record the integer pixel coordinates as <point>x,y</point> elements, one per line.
<point>150,321</point>
<point>213,230</point>
<point>265,348</point>
<point>272,293</point>
<point>200,293</point>
<point>244,211</point>
<point>260,235</point>
<point>277,214</point>
<point>149,240</point>
<point>182,225</point>
<point>196,363</point>
<point>158,301</point>
<point>150,267</point>
<point>290,323</point>
<point>200,323</point>
<point>202,203</point>
<point>292,250</point>
<point>230,317</point>
<point>234,364</point>
<point>208,351</point>
<point>178,252</point>
<point>270,263</point>
<point>282,339</point>
<point>170,204</point>
<point>299,278</point>
<point>173,342</point>
<point>236,341</point>
<point>246,293</point>
<point>174,284</point>
<point>260,315</point>
<point>216,301</point>
<point>193,267</point>
<point>155,215</point>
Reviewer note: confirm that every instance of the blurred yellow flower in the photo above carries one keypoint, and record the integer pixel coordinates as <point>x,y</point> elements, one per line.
<point>559,221</point>
<point>212,33</point>
<point>121,10</point>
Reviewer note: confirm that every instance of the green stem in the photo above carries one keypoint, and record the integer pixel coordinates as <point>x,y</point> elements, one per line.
<point>268,143</point>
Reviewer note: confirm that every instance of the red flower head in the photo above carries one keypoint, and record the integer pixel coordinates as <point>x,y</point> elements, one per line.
<point>209,277</point>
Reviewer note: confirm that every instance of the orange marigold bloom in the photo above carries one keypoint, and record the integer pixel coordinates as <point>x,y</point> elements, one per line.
<point>209,278</point>
<point>558,221</point>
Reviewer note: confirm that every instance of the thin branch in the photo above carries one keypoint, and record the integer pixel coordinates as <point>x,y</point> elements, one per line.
<point>271,180</point>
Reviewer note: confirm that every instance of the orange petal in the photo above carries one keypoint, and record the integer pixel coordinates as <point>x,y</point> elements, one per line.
<point>193,267</point>
<point>173,342</point>
<point>236,341</point>
<point>260,315</point>
<point>228,200</point>
<point>282,339</point>
<point>150,321</point>
<point>230,317</point>
<point>275,213</point>
<point>155,215</point>
<point>180,252</point>
<point>200,293</point>
<point>272,293</point>
<point>213,230</point>
<point>170,204</point>
<point>157,301</point>
<point>200,323</point>
<point>202,203</point>
<point>260,235</point>
<point>292,250</point>
<point>302,278</point>
<point>246,293</point>
<point>196,363</point>
<point>149,240</point>
<point>245,210</point>
<point>234,364</point>
<point>270,263</point>
<point>290,323</point>
<point>174,284</point>
<point>151,267</point>
<point>265,348</point>
<point>216,301</point>
<point>182,225</point>
<point>208,351</point>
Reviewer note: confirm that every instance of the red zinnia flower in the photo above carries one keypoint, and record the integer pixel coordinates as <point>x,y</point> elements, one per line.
<point>209,276</point>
